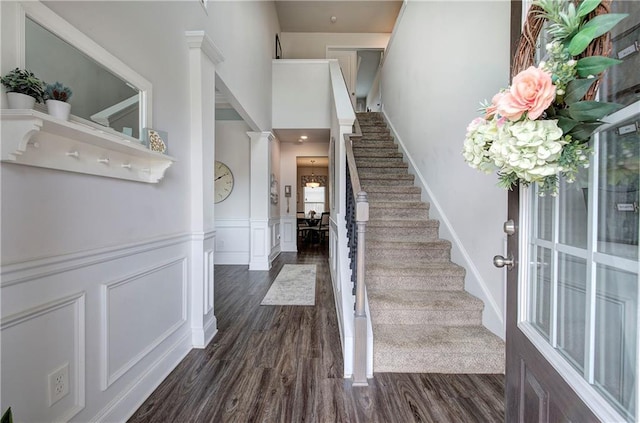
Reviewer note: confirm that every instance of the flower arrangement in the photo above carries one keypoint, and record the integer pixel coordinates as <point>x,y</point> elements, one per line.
<point>57,91</point>
<point>540,126</point>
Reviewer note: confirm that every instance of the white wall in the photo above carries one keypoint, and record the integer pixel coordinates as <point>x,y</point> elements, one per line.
<point>431,88</point>
<point>313,45</point>
<point>96,271</point>
<point>232,214</point>
<point>301,94</point>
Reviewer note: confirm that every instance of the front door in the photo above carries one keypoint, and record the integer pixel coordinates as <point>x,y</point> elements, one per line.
<point>572,297</point>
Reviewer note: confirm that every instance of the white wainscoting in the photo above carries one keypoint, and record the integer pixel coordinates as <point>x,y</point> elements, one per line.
<point>260,245</point>
<point>55,333</point>
<point>120,315</point>
<point>288,234</point>
<point>128,335</point>
<point>274,228</point>
<point>232,241</point>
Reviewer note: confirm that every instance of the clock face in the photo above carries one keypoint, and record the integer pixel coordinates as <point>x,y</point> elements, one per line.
<point>222,181</point>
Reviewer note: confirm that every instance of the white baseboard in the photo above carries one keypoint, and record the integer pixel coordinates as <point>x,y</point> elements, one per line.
<point>131,398</point>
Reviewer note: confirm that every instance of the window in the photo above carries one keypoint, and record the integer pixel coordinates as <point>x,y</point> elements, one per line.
<point>314,200</point>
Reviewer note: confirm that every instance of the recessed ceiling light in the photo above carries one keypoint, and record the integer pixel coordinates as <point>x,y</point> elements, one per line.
<point>304,137</point>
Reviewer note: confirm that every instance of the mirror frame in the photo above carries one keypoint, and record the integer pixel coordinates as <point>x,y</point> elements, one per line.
<point>52,22</point>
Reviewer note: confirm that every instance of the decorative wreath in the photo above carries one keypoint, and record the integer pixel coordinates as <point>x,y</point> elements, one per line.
<point>528,42</point>
<point>538,129</point>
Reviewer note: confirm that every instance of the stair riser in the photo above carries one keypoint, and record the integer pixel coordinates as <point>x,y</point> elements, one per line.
<point>402,213</point>
<point>365,182</point>
<point>367,130</point>
<point>443,362</point>
<point>382,170</point>
<point>409,256</point>
<point>421,283</point>
<point>454,317</point>
<point>403,234</point>
<point>377,136</point>
<point>372,153</point>
<point>380,162</point>
<point>376,145</point>
<point>390,196</point>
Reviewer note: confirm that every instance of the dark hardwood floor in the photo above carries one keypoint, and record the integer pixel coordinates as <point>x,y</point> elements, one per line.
<point>284,364</point>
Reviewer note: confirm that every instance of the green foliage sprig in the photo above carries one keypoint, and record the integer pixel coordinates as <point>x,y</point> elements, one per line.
<point>571,34</point>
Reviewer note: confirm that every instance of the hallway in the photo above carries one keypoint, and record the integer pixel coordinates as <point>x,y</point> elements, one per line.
<point>284,364</point>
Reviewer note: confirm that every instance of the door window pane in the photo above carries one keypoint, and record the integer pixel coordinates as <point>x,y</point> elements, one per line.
<point>540,296</point>
<point>573,223</point>
<point>618,190</point>
<point>572,276</point>
<point>616,336</point>
<point>545,217</point>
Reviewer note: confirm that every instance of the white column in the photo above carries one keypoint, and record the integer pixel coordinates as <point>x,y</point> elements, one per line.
<point>260,238</point>
<point>203,58</point>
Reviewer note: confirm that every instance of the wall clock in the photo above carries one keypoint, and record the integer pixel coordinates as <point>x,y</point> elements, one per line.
<point>222,181</point>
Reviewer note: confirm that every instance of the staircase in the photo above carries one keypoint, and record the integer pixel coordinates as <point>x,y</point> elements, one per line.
<point>423,319</point>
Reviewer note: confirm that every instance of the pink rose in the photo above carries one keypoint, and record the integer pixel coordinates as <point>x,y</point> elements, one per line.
<point>491,110</point>
<point>532,91</point>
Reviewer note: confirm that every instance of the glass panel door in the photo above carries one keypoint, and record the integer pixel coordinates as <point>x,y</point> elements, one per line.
<point>583,271</point>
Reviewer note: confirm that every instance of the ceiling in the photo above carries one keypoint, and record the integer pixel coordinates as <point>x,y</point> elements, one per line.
<point>351,15</point>
<point>293,135</point>
<point>318,161</point>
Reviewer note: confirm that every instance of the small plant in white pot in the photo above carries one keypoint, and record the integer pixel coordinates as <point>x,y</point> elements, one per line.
<point>57,97</point>
<point>24,89</point>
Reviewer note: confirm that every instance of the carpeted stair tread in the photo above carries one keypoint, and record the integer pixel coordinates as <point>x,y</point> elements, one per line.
<point>374,153</point>
<point>421,299</point>
<point>381,162</point>
<point>390,268</point>
<point>437,349</point>
<point>380,145</point>
<point>381,178</point>
<point>375,243</point>
<point>367,129</point>
<point>402,223</point>
<point>400,204</point>
<point>418,307</point>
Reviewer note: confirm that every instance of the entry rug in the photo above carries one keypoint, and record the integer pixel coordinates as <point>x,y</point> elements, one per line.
<point>294,285</point>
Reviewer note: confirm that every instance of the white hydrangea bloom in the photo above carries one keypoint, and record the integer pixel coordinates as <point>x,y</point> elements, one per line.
<point>528,148</point>
<point>480,134</point>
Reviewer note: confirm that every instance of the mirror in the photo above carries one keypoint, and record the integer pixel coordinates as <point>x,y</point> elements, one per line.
<point>98,95</point>
<point>106,92</point>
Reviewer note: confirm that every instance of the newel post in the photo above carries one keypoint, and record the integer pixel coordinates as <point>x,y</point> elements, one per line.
<point>360,315</point>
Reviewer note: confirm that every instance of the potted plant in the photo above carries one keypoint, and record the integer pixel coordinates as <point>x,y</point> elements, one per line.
<point>56,97</point>
<point>24,89</point>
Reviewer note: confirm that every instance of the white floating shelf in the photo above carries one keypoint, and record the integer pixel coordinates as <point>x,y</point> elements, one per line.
<point>33,138</point>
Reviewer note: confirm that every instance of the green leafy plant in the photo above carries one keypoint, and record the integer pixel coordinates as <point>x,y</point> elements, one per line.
<point>57,91</point>
<point>539,127</point>
<point>7,417</point>
<point>24,82</point>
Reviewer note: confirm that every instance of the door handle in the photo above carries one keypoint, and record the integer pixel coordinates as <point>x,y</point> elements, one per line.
<point>500,261</point>
<point>509,227</point>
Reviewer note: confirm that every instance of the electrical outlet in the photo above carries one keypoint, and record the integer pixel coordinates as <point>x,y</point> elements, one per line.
<point>58,384</point>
